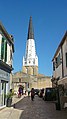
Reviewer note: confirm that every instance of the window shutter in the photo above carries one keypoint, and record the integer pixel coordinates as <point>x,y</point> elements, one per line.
<point>5,51</point>
<point>2,49</point>
<point>66,59</point>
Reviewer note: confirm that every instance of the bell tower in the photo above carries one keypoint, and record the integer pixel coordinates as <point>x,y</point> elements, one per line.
<point>30,60</point>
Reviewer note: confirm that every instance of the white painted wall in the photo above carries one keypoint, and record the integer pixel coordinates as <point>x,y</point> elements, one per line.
<point>58,71</point>
<point>8,54</point>
<point>31,58</point>
<point>9,47</point>
<point>64,57</point>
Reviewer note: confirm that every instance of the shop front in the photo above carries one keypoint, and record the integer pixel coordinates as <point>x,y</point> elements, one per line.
<point>4,86</point>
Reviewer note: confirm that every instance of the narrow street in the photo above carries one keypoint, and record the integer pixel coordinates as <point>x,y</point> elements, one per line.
<point>39,109</point>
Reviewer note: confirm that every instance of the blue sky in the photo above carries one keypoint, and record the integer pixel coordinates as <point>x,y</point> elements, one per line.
<point>49,22</point>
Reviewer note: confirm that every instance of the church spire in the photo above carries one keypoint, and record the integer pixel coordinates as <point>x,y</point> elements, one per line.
<point>30,61</point>
<point>30,30</point>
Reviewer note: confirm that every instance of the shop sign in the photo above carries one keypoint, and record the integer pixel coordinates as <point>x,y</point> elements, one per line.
<point>4,75</point>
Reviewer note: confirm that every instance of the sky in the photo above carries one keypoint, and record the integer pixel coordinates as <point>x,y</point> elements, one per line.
<point>50,24</point>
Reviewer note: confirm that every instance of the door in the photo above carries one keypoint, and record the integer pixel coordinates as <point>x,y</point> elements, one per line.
<point>3,92</point>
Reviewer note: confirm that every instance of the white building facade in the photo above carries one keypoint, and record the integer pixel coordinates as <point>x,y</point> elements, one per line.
<point>60,64</point>
<point>30,61</point>
<point>59,78</point>
<point>6,61</point>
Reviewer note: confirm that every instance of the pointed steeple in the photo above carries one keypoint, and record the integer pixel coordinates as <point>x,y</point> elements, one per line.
<point>30,30</point>
<point>30,61</point>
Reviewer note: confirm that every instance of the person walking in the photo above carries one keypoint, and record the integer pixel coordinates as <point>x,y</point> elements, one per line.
<point>28,91</point>
<point>19,92</point>
<point>32,94</point>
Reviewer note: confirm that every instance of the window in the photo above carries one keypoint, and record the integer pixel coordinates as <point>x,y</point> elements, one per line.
<point>66,59</point>
<point>29,62</point>
<point>29,55</point>
<point>10,55</point>
<point>53,66</point>
<point>58,60</point>
<point>56,63</point>
<point>34,61</point>
<point>25,62</point>
<point>19,80</point>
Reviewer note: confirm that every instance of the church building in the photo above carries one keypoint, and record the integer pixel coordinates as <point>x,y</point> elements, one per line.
<point>29,76</point>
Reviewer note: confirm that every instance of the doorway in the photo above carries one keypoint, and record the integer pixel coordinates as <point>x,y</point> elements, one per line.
<point>3,93</point>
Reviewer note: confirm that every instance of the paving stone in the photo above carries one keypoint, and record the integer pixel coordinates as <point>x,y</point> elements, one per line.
<point>40,109</point>
<point>37,109</point>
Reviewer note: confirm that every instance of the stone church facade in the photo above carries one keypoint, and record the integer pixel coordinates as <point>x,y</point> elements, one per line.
<point>29,76</point>
<point>30,81</point>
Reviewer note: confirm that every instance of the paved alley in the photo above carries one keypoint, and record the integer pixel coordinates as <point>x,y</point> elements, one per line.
<point>39,109</point>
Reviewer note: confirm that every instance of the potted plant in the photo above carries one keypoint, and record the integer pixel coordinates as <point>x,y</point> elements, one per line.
<point>9,99</point>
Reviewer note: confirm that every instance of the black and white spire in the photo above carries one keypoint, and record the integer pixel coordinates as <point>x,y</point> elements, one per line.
<point>30,58</point>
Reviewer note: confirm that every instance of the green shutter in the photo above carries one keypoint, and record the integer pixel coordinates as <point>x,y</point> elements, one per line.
<point>5,51</point>
<point>2,49</point>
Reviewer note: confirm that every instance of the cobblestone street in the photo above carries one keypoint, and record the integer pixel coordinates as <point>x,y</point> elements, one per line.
<point>39,109</point>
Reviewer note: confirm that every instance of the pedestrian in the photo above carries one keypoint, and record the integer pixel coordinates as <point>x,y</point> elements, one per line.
<point>28,91</point>
<point>19,92</point>
<point>32,94</point>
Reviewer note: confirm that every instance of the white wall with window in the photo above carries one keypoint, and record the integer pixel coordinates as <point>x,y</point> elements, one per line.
<point>6,53</point>
<point>65,57</point>
<point>5,50</point>
<point>60,60</point>
<point>57,65</point>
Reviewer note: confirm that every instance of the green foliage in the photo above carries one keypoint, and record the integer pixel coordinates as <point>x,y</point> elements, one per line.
<point>10,94</point>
